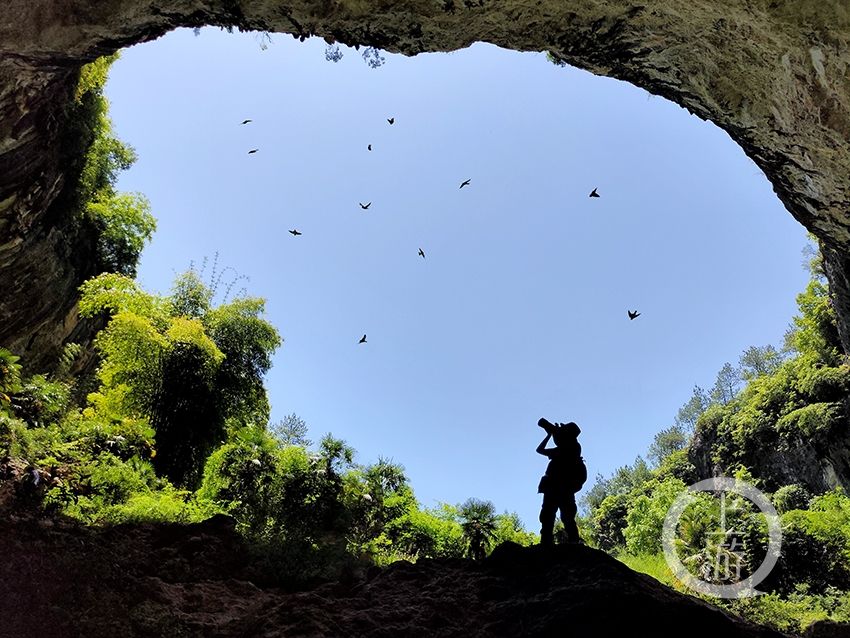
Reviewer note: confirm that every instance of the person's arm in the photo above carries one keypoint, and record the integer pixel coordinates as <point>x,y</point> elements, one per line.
<point>541,449</point>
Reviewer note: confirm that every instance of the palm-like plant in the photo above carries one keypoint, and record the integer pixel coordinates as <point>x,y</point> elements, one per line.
<point>478,520</point>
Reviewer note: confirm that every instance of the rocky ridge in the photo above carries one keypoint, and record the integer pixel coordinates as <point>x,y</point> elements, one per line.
<point>60,579</point>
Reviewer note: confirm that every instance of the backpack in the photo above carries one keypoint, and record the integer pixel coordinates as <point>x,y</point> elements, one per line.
<point>579,477</point>
<point>573,482</point>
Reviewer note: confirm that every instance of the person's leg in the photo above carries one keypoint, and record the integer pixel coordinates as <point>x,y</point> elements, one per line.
<point>547,518</point>
<point>568,508</point>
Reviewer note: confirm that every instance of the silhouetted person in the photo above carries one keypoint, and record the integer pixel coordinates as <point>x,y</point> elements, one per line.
<point>564,476</point>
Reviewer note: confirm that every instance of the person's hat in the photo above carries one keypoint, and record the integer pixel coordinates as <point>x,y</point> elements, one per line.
<point>571,428</point>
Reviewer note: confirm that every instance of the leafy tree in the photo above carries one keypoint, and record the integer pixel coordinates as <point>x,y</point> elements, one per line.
<point>646,514</point>
<point>190,297</point>
<point>678,465</point>
<point>182,408</point>
<point>593,496</point>
<point>509,527</point>
<point>756,361</point>
<point>121,221</point>
<point>688,414</point>
<point>125,225</point>
<point>815,333</point>
<point>726,385</point>
<point>429,533</point>
<point>625,479</point>
<point>666,443</point>
<point>105,154</point>
<point>478,521</point>
<point>189,375</point>
<point>378,499</point>
<point>609,520</point>
<point>247,341</point>
<point>290,430</point>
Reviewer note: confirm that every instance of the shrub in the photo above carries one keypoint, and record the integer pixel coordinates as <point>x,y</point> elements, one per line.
<point>646,514</point>
<point>609,521</point>
<point>165,506</point>
<point>10,374</point>
<point>40,401</point>
<point>810,421</point>
<point>791,497</point>
<point>815,551</point>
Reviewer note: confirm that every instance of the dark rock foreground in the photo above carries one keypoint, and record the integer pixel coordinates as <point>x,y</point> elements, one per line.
<point>59,579</point>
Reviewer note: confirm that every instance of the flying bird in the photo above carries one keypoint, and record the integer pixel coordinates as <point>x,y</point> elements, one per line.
<point>247,121</point>
<point>422,253</point>
<point>593,193</point>
<point>252,151</point>
<point>295,232</point>
<point>391,120</point>
<point>362,339</point>
<point>365,206</point>
<point>369,147</point>
<point>633,315</point>
<point>465,183</point>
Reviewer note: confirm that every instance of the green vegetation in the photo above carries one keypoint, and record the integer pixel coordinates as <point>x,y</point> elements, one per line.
<point>121,222</point>
<point>177,430</point>
<point>765,420</point>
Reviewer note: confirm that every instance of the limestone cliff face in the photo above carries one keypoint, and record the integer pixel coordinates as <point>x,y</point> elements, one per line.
<point>774,74</point>
<point>819,463</point>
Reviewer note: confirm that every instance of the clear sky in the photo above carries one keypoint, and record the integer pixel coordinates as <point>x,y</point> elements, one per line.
<point>519,309</point>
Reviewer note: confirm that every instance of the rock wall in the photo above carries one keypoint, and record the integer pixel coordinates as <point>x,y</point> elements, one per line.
<point>820,462</point>
<point>774,74</point>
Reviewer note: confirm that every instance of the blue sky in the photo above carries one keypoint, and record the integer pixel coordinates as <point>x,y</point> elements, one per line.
<point>519,309</point>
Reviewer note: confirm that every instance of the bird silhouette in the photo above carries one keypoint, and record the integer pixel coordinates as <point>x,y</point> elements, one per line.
<point>362,339</point>
<point>465,183</point>
<point>593,193</point>
<point>422,253</point>
<point>247,121</point>
<point>391,120</point>
<point>365,206</point>
<point>252,151</point>
<point>633,315</point>
<point>369,147</point>
<point>295,232</point>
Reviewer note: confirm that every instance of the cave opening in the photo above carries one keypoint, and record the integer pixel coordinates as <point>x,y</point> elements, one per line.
<point>519,307</point>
